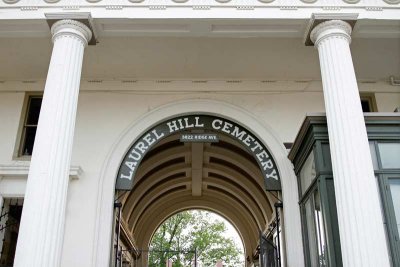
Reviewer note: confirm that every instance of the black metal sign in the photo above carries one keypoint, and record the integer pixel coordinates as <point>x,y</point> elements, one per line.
<point>208,123</point>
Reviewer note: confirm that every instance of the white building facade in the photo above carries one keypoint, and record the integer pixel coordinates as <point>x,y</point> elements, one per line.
<point>118,82</point>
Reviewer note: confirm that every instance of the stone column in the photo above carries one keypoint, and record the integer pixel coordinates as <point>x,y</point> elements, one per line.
<point>361,228</point>
<point>42,225</point>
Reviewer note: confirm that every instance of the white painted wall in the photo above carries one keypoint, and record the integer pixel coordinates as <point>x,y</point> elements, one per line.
<point>10,114</point>
<point>388,102</point>
<point>103,115</point>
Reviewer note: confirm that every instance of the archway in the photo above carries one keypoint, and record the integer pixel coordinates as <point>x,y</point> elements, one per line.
<point>196,236</point>
<point>258,216</point>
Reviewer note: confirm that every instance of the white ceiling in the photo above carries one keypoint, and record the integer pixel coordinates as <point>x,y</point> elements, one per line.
<point>198,49</point>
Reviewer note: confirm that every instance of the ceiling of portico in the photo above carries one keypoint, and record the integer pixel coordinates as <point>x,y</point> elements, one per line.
<point>198,49</point>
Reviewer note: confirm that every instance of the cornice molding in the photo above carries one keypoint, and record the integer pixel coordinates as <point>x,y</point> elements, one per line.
<point>22,170</point>
<point>349,3</point>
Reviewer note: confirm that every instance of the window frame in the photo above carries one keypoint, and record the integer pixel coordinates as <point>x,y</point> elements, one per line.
<point>329,219</point>
<point>323,176</point>
<point>370,98</point>
<point>383,175</point>
<point>313,135</point>
<point>21,134</point>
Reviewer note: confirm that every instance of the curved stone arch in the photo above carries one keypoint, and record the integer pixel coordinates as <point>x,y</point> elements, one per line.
<point>108,173</point>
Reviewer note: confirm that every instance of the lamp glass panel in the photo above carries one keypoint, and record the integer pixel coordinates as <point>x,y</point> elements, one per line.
<point>395,192</point>
<point>390,155</point>
<point>311,233</point>
<point>307,173</point>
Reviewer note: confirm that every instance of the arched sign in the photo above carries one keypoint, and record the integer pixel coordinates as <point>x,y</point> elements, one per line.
<point>207,123</point>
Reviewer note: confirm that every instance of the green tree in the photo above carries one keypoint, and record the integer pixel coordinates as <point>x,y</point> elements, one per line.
<point>193,230</point>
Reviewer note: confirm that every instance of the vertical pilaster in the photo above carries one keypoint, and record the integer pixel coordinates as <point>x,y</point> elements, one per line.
<point>361,226</point>
<point>42,224</point>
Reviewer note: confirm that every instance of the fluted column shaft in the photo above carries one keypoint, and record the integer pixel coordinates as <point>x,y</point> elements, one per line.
<point>42,224</point>
<point>361,228</point>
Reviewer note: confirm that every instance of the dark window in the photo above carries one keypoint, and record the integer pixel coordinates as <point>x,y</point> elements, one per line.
<point>30,125</point>
<point>368,102</point>
<point>366,107</point>
<point>10,218</point>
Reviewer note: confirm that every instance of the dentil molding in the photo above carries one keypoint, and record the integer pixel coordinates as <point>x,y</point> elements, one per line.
<point>350,2</point>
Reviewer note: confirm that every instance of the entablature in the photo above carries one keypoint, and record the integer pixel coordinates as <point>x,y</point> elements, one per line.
<point>220,18</point>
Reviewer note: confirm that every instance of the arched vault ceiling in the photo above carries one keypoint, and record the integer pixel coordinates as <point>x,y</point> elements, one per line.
<point>222,177</point>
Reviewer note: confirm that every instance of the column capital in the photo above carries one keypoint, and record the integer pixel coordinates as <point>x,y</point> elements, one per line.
<point>69,27</point>
<point>331,28</point>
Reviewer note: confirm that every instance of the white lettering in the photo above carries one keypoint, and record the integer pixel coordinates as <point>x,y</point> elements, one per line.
<point>138,155</point>
<point>267,164</point>
<point>172,126</point>
<point>123,176</point>
<point>181,124</point>
<point>150,140</point>
<point>131,165</point>
<point>187,125</point>
<point>238,134</point>
<point>272,175</point>
<point>262,155</point>
<point>158,136</point>
<point>141,146</point>
<point>214,124</point>
<point>197,124</point>
<point>256,146</point>
<point>248,139</point>
<point>225,128</point>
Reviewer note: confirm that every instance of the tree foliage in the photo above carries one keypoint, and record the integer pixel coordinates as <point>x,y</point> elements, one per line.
<point>189,231</point>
